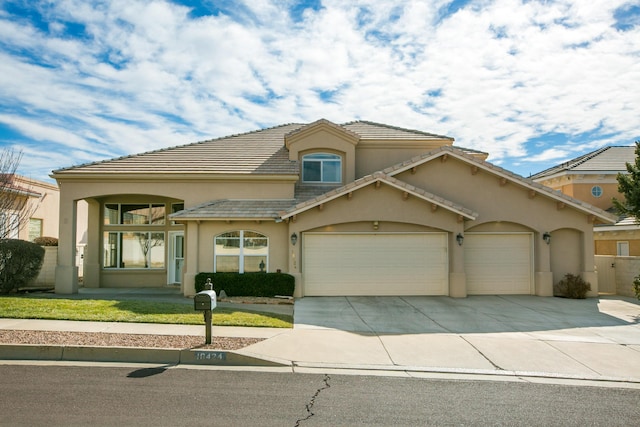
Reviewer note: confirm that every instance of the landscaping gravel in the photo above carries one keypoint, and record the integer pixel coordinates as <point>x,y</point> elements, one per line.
<point>101,339</point>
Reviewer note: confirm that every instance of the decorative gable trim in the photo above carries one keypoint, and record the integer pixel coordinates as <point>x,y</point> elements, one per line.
<point>321,125</point>
<point>378,179</point>
<point>504,176</point>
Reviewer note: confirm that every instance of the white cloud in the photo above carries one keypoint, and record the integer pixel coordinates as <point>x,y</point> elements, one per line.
<point>146,75</point>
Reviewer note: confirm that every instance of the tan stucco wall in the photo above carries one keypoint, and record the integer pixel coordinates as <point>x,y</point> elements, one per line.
<point>45,208</point>
<point>606,242</point>
<point>193,192</point>
<point>579,187</point>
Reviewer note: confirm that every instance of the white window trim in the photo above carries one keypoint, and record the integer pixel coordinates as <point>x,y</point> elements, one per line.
<point>119,251</point>
<point>321,161</point>
<point>241,254</point>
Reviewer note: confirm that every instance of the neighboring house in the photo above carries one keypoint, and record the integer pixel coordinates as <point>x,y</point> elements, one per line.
<point>354,209</point>
<point>42,209</point>
<point>593,179</point>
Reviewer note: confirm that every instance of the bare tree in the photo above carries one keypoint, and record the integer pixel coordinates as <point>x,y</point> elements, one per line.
<point>16,206</point>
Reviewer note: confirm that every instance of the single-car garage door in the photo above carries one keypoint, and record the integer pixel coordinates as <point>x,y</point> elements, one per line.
<point>498,263</point>
<point>375,264</point>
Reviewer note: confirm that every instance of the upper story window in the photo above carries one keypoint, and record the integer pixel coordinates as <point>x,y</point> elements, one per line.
<point>322,168</point>
<point>596,191</point>
<point>134,214</point>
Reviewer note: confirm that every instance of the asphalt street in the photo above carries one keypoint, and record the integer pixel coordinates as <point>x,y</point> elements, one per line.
<point>163,396</point>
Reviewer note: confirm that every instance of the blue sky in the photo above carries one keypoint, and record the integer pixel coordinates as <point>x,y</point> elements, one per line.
<point>531,82</point>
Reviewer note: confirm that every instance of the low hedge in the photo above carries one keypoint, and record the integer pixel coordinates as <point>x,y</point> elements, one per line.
<point>46,241</point>
<point>248,284</point>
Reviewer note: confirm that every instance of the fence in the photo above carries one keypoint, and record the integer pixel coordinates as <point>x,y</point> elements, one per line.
<point>616,274</point>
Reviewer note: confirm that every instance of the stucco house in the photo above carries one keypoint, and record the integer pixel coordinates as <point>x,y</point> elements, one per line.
<point>359,208</point>
<point>592,178</point>
<point>40,215</point>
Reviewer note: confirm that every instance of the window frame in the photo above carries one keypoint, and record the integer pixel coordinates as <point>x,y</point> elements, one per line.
<point>120,214</point>
<point>597,191</point>
<point>107,253</point>
<point>241,255</point>
<point>331,158</point>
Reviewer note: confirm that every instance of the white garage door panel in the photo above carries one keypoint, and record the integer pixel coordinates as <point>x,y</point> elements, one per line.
<point>498,263</point>
<point>375,264</point>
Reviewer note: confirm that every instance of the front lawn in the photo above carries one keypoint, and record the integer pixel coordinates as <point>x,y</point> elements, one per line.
<point>25,307</point>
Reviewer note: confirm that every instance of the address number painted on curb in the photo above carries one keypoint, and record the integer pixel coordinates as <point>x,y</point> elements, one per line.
<point>211,355</point>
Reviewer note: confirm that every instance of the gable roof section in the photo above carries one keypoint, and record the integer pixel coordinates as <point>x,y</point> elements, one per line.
<point>378,131</point>
<point>502,173</point>
<point>606,160</point>
<point>260,153</point>
<point>372,179</point>
<point>319,125</point>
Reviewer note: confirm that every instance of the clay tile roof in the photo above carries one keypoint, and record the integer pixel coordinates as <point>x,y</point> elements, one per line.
<point>604,160</point>
<point>234,209</point>
<point>259,152</point>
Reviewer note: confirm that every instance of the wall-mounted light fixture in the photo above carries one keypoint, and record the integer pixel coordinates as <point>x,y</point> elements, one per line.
<point>376,225</point>
<point>546,237</point>
<point>261,266</point>
<point>460,239</point>
<point>294,239</point>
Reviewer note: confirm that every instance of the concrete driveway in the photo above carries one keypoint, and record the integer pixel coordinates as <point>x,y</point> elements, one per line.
<point>516,336</point>
<point>475,314</point>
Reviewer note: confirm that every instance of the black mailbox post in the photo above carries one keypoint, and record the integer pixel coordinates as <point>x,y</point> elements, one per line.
<point>206,301</point>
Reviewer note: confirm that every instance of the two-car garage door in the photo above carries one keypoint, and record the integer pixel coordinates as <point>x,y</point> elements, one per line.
<point>414,264</point>
<point>375,264</point>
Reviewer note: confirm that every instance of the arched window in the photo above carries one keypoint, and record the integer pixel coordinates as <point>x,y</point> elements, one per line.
<point>241,251</point>
<point>322,168</point>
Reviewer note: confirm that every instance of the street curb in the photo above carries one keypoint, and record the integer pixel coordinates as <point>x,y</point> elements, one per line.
<point>129,354</point>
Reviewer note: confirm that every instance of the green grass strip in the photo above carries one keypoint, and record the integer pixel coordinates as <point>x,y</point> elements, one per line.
<point>133,311</point>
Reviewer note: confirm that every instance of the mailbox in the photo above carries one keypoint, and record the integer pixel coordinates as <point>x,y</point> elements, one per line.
<point>204,300</point>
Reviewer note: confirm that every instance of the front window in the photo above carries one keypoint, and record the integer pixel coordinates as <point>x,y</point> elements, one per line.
<point>134,214</point>
<point>134,250</point>
<point>35,228</point>
<point>241,251</point>
<point>322,168</point>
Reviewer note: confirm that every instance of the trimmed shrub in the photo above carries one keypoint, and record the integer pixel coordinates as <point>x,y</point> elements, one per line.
<point>20,263</point>
<point>46,241</point>
<point>572,287</point>
<point>636,286</point>
<point>248,284</point>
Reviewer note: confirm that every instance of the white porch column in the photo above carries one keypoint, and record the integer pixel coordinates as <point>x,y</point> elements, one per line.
<point>66,269</point>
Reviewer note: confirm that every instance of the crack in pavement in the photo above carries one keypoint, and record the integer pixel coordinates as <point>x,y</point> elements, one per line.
<point>309,406</point>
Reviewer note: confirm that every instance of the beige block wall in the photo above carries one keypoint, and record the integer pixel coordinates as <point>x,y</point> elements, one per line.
<point>47,276</point>
<point>617,273</point>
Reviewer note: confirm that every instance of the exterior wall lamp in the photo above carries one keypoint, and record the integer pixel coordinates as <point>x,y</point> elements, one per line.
<point>294,239</point>
<point>460,239</point>
<point>376,225</point>
<point>546,237</point>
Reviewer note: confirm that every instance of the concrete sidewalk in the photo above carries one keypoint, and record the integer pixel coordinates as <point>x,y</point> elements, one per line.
<point>594,339</point>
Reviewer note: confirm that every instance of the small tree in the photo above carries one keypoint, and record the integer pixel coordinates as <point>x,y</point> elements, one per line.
<point>629,187</point>
<point>15,209</point>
